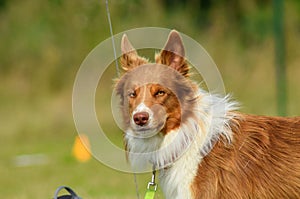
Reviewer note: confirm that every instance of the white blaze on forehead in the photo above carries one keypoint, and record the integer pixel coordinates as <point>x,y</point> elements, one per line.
<point>142,108</point>
<point>144,94</point>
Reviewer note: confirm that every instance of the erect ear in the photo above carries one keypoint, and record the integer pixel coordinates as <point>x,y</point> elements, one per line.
<point>130,59</point>
<point>173,54</point>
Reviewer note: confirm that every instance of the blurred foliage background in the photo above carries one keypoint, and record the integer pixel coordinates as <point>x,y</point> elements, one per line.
<point>43,44</point>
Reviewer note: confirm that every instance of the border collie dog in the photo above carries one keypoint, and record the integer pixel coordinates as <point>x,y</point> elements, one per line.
<point>200,144</point>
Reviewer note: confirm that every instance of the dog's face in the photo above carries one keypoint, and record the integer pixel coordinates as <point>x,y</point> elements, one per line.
<point>154,97</point>
<point>151,109</point>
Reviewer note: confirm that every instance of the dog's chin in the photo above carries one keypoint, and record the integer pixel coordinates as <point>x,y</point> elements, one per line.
<point>146,131</point>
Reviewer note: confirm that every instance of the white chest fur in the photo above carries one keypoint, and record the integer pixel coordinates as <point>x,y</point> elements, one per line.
<point>176,180</point>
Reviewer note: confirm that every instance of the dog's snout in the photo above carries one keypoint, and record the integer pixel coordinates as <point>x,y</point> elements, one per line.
<point>141,118</point>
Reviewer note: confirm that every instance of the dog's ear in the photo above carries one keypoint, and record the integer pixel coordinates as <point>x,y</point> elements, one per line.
<point>130,59</point>
<point>173,54</point>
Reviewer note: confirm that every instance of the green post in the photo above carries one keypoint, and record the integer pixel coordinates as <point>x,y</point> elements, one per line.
<point>280,56</point>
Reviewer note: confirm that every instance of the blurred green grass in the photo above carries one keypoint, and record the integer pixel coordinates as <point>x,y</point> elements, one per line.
<point>43,44</point>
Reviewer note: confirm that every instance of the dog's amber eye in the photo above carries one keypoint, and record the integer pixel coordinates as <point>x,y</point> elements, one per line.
<point>160,93</point>
<point>132,94</point>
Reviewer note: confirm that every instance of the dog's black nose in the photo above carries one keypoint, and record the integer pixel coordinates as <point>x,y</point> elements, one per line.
<point>141,118</point>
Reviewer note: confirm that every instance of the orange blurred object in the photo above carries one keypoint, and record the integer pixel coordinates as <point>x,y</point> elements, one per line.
<point>81,148</point>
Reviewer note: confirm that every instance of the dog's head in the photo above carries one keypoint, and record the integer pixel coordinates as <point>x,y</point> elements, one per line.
<point>155,97</point>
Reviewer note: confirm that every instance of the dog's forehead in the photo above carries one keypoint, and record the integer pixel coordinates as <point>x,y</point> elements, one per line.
<point>152,74</point>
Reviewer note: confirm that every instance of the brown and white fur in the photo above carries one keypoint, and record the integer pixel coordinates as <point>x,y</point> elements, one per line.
<point>202,146</point>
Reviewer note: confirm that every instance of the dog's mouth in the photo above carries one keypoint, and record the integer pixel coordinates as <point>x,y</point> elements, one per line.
<point>148,130</point>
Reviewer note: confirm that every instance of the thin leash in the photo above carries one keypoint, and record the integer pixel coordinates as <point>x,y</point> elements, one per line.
<point>152,186</point>
<point>112,38</point>
<point>118,75</point>
<point>136,186</point>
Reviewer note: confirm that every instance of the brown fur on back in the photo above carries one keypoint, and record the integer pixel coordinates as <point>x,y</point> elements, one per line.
<point>263,161</point>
